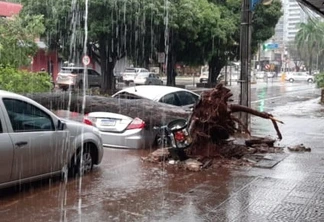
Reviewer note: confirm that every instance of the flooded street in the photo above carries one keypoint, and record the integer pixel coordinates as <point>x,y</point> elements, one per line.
<point>124,188</point>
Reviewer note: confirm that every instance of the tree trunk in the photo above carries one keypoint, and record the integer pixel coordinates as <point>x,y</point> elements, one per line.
<point>171,73</point>
<point>153,113</point>
<point>107,67</point>
<point>215,66</point>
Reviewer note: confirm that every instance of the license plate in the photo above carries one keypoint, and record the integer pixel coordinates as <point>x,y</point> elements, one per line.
<point>108,122</point>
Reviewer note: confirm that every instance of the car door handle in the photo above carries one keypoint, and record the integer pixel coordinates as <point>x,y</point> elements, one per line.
<point>20,144</point>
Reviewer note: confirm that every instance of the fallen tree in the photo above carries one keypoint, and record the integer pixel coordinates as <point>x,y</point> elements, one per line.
<point>213,121</point>
<point>153,113</point>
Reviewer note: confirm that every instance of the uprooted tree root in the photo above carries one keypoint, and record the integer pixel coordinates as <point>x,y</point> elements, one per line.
<point>217,136</point>
<point>213,122</point>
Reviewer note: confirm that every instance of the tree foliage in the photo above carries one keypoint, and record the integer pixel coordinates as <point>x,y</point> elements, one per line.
<point>190,31</point>
<point>309,40</point>
<point>18,34</point>
<point>20,81</point>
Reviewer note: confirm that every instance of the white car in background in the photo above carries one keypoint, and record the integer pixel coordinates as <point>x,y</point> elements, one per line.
<point>73,77</point>
<point>129,74</point>
<point>147,79</point>
<point>299,76</point>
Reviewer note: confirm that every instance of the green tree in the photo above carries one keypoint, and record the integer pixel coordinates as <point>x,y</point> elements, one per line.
<point>191,31</point>
<point>309,40</point>
<point>264,20</point>
<point>17,45</point>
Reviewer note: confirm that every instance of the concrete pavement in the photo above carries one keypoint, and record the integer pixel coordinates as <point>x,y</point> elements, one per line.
<point>293,190</point>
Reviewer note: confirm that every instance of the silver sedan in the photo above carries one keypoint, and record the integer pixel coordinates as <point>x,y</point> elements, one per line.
<point>122,131</point>
<point>35,143</point>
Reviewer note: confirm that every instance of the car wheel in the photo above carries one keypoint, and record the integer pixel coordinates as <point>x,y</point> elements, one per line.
<point>310,80</point>
<point>291,80</point>
<point>162,140</point>
<point>81,163</point>
<point>149,83</point>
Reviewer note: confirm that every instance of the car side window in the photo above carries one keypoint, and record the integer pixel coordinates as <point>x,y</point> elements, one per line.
<point>92,72</point>
<point>187,98</point>
<point>25,117</point>
<point>126,95</point>
<point>171,99</point>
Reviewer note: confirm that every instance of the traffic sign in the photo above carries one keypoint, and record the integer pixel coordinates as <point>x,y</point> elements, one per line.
<point>267,66</point>
<point>270,46</point>
<point>253,4</point>
<point>86,60</point>
<point>161,57</point>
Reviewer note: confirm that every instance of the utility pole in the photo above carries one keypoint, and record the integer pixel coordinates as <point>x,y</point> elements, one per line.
<point>245,58</point>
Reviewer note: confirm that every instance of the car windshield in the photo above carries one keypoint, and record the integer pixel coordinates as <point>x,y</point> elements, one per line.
<point>143,75</point>
<point>130,70</point>
<point>74,71</point>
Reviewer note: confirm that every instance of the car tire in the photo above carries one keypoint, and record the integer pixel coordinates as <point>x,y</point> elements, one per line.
<point>75,167</point>
<point>162,140</point>
<point>291,80</point>
<point>310,80</point>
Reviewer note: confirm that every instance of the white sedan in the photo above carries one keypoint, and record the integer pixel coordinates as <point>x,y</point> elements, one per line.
<point>164,94</point>
<point>122,131</point>
<point>147,79</point>
<point>299,76</point>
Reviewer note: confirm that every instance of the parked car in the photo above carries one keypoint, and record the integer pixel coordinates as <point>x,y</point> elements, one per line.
<point>147,78</point>
<point>73,77</point>
<point>164,94</point>
<point>35,143</point>
<point>120,131</point>
<point>203,78</point>
<point>130,73</point>
<point>299,76</point>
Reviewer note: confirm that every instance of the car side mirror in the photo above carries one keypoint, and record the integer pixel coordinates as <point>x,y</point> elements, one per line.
<point>61,125</point>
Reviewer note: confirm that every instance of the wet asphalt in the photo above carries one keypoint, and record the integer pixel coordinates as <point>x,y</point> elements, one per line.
<point>123,188</point>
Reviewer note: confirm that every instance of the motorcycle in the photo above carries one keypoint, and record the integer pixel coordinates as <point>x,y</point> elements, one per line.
<point>174,136</point>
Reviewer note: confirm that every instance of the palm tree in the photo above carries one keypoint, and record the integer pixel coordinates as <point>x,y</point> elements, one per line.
<point>310,40</point>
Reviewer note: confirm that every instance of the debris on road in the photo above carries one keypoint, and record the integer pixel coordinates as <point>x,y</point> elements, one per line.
<point>299,148</point>
<point>192,165</point>
<point>217,133</point>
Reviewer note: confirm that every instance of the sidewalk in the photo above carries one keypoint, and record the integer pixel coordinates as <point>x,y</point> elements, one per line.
<point>293,190</point>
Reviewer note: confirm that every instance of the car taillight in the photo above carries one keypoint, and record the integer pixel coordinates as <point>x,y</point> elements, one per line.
<point>179,136</point>
<point>89,120</point>
<point>137,123</point>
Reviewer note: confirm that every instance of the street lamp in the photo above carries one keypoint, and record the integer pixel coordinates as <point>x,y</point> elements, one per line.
<point>245,55</point>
